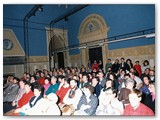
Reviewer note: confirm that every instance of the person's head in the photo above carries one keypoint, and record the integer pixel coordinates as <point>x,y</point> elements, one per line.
<point>146,80</point>
<point>73,83</point>
<point>95,62</point>
<point>21,84</point>
<point>129,83</point>
<point>109,60</point>
<point>109,83</point>
<point>151,73</point>
<point>110,94</point>
<point>151,87</point>
<point>66,80</point>
<point>47,80</point>
<point>95,81</point>
<point>85,78</point>
<point>88,90</point>
<point>15,80</point>
<point>122,60</point>
<point>38,89</point>
<point>100,75</point>
<point>127,76</point>
<point>53,80</point>
<point>137,62</point>
<point>32,79</point>
<point>27,87</point>
<point>116,61</point>
<point>146,63</point>
<point>132,74</point>
<point>128,61</point>
<point>60,77</point>
<point>111,76</point>
<point>147,70</point>
<point>42,74</point>
<point>135,98</point>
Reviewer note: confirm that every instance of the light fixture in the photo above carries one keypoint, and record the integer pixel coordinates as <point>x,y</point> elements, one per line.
<point>150,35</point>
<point>83,47</point>
<point>40,9</point>
<point>101,44</point>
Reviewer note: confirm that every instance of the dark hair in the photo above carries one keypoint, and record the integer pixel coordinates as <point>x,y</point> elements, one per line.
<point>146,62</point>
<point>90,87</point>
<point>67,80</point>
<point>137,92</point>
<point>114,91</point>
<point>38,87</point>
<point>48,78</point>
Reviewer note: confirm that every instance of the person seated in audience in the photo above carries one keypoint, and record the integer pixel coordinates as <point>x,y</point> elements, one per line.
<point>10,92</point>
<point>24,77</point>
<point>146,73</point>
<point>40,81</point>
<point>46,84</point>
<point>73,95</point>
<point>102,80</point>
<point>150,98</point>
<point>152,75</point>
<point>97,86</point>
<point>63,89</point>
<point>85,81</point>
<point>137,80</point>
<point>109,104</point>
<point>33,82</point>
<point>144,89</point>
<point>112,76</point>
<point>38,94</point>
<point>8,82</point>
<point>88,102</point>
<point>145,66</point>
<point>53,87</point>
<point>24,99</point>
<point>124,92</point>
<point>136,107</point>
<point>45,106</point>
<point>137,66</point>
<point>109,83</point>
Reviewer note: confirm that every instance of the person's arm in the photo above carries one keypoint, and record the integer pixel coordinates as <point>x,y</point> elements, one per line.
<point>92,107</point>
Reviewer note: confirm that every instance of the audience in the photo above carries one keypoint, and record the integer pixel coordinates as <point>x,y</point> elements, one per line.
<point>83,91</point>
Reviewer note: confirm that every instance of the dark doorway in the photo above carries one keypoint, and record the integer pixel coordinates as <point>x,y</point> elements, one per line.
<point>60,60</point>
<point>95,54</point>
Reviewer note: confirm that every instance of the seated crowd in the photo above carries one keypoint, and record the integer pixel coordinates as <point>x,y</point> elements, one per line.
<point>124,89</point>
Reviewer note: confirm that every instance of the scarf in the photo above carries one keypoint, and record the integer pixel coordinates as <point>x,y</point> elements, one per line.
<point>72,92</point>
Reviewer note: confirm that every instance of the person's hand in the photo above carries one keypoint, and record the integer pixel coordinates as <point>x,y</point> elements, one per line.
<point>17,110</point>
<point>13,103</point>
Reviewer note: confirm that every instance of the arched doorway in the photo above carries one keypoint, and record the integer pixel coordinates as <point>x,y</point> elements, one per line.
<point>93,28</point>
<point>59,40</point>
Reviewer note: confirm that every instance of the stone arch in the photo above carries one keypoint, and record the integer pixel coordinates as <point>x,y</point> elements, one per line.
<point>60,39</point>
<point>93,28</point>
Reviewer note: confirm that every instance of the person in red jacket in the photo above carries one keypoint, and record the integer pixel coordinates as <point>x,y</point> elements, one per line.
<point>23,101</point>
<point>41,79</point>
<point>26,96</point>
<point>136,107</point>
<point>63,89</point>
<point>137,66</point>
<point>95,65</point>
